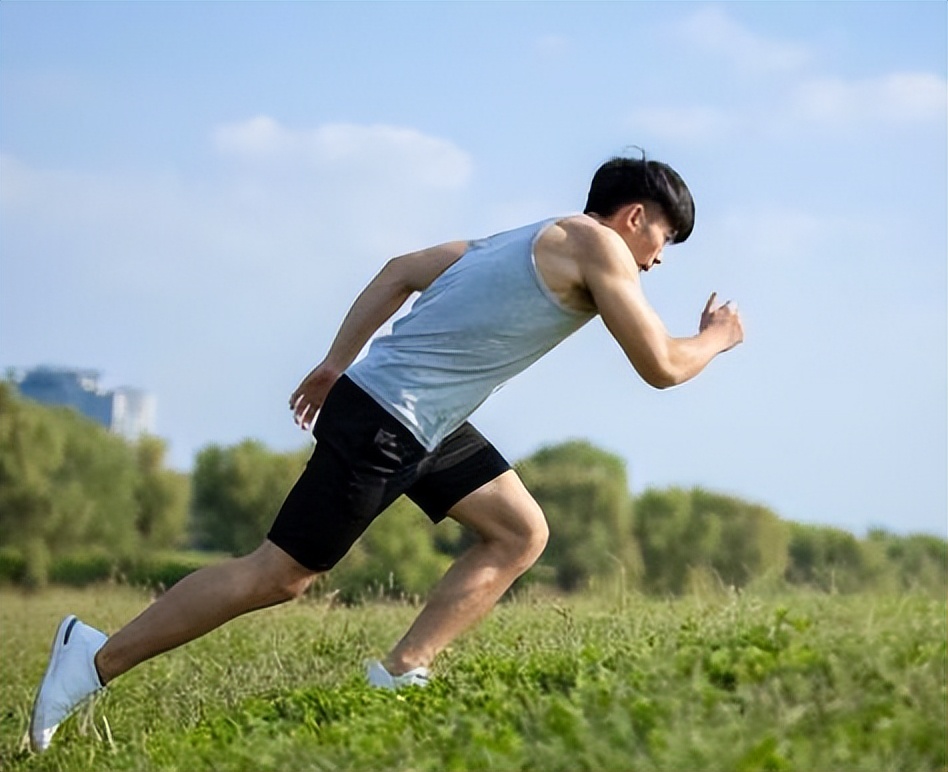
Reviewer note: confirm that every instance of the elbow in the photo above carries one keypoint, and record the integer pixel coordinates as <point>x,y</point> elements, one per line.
<point>658,364</point>
<point>393,269</point>
<point>658,372</point>
<point>395,274</point>
<point>662,380</point>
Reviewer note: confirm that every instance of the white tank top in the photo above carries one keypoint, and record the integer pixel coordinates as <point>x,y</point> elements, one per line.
<point>485,319</point>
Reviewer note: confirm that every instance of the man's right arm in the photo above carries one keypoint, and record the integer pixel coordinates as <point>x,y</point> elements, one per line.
<point>611,278</point>
<point>383,296</point>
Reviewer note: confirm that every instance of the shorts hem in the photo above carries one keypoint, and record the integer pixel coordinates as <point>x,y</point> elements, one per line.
<point>298,552</point>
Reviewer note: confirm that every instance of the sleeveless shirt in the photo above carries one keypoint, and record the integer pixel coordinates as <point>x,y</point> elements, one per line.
<point>481,322</point>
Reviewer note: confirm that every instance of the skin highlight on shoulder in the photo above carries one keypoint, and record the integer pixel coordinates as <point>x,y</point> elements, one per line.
<point>589,241</point>
<point>559,253</point>
<point>591,247</point>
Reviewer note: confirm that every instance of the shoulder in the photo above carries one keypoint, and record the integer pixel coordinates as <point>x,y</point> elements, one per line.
<point>591,245</point>
<point>584,234</point>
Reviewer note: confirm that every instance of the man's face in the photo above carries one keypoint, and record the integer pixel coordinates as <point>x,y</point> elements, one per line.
<point>650,234</point>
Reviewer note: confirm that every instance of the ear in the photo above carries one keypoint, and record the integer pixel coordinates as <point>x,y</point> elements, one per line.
<point>635,217</point>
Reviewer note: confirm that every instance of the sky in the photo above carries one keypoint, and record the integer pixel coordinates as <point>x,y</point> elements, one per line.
<point>192,194</point>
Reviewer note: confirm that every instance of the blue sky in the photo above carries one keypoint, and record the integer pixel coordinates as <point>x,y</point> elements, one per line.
<point>191,194</point>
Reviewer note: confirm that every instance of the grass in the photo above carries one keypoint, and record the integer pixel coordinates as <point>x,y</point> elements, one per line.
<point>794,682</point>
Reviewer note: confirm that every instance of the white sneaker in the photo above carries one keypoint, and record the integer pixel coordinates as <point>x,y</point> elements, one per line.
<point>380,678</point>
<point>69,680</point>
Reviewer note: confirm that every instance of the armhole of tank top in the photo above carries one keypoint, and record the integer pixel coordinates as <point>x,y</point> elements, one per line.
<point>550,295</point>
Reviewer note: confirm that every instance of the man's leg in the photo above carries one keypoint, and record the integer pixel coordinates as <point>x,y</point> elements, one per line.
<point>201,602</point>
<point>83,659</point>
<point>513,533</point>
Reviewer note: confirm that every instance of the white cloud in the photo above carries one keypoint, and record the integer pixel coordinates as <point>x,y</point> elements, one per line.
<point>686,124</point>
<point>386,151</point>
<point>365,191</point>
<point>896,98</point>
<point>824,104</point>
<point>712,31</point>
<point>255,138</point>
<point>147,275</point>
<point>801,100</point>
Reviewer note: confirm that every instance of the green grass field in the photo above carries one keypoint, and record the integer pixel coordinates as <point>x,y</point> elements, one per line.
<point>795,682</point>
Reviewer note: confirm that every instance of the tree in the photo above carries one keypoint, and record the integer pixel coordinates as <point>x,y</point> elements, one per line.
<point>31,449</point>
<point>65,483</point>
<point>583,492</point>
<point>672,540</point>
<point>911,562</point>
<point>826,558</point>
<point>396,556</point>
<point>750,539</point>
<point>682,532</point>
<point>95,490</point>
<point>162,497</point>
<point>237,492</point>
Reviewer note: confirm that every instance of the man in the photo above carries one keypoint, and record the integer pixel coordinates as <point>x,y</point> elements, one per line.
<point>395,422</point>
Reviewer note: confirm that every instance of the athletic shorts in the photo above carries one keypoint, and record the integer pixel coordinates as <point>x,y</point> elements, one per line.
<point>364,459</point>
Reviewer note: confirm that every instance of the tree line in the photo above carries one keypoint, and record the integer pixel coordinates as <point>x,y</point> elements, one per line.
<point>78,503</point>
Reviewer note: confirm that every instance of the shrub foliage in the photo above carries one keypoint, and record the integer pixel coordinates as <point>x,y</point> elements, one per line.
<point>68,485</point>
<point>79,505</point>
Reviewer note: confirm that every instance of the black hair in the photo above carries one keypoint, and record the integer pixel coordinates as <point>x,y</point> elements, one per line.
<point>620,181</point>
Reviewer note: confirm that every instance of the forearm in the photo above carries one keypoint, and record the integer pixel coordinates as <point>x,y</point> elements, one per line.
<point>383,296</point>
<point>687,357</point>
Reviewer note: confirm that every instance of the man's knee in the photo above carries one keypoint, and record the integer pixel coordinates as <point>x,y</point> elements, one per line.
<point>291,588</point>
<point>280,577</point>
<point>537,540</point>
<point>525,544</point>
<point>507,519</point>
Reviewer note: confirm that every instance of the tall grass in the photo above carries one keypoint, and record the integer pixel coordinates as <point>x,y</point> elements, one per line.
<point>725,682</point>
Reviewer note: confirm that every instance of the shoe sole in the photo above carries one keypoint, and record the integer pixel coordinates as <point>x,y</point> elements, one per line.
<point>55,651</point>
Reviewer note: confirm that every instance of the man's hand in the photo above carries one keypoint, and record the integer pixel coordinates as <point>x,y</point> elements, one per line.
<point>311,393</point>
<point>723,320</point>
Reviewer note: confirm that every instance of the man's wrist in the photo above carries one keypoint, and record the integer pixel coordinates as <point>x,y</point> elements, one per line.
<point>715,336</point>
<point>331,367</point>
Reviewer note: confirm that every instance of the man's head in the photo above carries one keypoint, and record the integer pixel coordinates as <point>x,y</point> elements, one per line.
<point>621,182</point>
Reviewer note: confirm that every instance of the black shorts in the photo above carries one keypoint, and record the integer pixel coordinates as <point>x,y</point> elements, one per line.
<point>364,459</point>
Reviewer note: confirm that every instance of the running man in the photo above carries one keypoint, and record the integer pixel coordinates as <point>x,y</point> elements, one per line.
<point>396,423</point>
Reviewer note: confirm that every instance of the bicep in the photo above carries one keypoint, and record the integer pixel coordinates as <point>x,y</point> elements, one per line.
<point>417,270</point>
<point>632,321</point>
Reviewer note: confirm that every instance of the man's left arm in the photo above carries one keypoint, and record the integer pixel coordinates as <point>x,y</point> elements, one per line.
<point>383,296</point>
<point>612,281</point>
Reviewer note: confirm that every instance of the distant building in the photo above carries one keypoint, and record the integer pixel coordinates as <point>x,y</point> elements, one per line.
<point>126,411</point>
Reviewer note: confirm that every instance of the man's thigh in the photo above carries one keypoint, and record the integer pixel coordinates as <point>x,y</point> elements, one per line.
<point>464,462</point>
<point>502,509</point>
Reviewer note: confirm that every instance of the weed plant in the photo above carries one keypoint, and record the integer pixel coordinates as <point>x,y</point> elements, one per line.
<point>795,681</point>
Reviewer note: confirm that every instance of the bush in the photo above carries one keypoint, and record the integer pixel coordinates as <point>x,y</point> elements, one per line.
<point>69,484</point>
<point>237,491</point>
<point>584,494</point>
<point>163,569</point>
<point>827,559</point>
<point>36,559</point>
<point>394,558</point>
<point>157,570</point>
<point>82,568</point>
<point>12,566</point>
